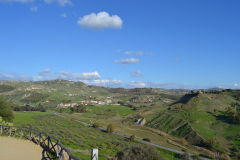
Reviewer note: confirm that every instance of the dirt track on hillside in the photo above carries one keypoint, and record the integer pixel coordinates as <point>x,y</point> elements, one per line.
<point>17,149</point>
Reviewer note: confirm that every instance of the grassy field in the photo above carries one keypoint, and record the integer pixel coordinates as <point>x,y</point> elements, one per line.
<point>77,138</point>
<point>122,119</point>
<point>23,118</point>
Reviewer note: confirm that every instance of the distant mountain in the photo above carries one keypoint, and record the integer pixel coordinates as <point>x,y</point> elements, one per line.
<point>51,93</point>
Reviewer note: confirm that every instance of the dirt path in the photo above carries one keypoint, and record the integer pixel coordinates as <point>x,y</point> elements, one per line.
<point>12,149</point>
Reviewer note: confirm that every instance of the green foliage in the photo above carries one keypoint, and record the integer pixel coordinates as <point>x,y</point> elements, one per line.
<point>6,88</point>
<point>132,137</point>
<point>73,135</point>
<point>79,109</point>
<point>147,139</point>
<point>29,108</point>
<point>110,129</point>
<point>24,118</point>
<point>233,114</point>
<point>5,110</point>
<point>96,125</point>
<point>34,97</point>
<point>139,153</point>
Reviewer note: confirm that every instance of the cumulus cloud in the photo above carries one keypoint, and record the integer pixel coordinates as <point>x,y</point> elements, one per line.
<point>94,78</point>
<point>101,20</point>
<point>136,74</point>
<point>79,76</point>
<point>46,75</point>
<point>19,1</point>
<point>60,2</point>
<point>105,83</point>
<point>34,9</point>
<point>127,61</point>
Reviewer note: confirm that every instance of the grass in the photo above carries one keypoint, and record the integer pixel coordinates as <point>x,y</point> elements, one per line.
<point>77,138</point>
<point>23,118</point>
<point>202,121</point>
<point>120,110</point>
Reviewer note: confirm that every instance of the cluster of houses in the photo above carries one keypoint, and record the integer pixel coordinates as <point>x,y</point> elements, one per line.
<point>146,99</point>
<point>107,101</point>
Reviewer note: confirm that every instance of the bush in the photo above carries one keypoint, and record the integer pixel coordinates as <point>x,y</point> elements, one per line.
<point>183,141</point>
<point>132,137</point>
<point>79,109</point>
<point>96,125</point>
<point>110,128</point>
<point>147,139</point>
<point>139,153</point>
<point>5,110</point>
<point>40,108</point>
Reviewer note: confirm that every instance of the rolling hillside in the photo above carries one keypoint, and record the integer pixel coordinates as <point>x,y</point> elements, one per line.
<point>202,121</point>
<point>51,93</point>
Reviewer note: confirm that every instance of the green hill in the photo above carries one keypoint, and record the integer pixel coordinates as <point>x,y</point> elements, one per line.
<point>202,120</point>
<point>51,93</point>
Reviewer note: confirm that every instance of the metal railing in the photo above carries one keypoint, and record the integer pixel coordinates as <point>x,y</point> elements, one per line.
<point>52,148</point>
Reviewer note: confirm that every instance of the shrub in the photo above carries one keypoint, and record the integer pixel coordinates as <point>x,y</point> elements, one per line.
<point>132,137</point>
<point>110,128</point>
<point>139,153</point>
<point>147,139</point>
<point>5,110</point>
<point>96,125</point>
<point>29,108</point>
<point>183,141</point>
<point>79,109</point>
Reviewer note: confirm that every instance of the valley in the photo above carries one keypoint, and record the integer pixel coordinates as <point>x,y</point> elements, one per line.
<point>202,123</point>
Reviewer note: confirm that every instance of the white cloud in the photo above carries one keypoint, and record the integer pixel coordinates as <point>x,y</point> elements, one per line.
<point>78,76</point>
<point>46,75</point>
<point>19,1</point>
<point>14,76</point>
<point>138,53</point>
<point>136,74</point>
<point>135,84</point>
<point>94,78</point>
<point>127,61</point>
<point>236,85</point>
<point>64,15</point>
<point>34,9</point>
<point>105,83</point>
<point>100,20</point>
<point>44,72</point>
<point>60,2</point>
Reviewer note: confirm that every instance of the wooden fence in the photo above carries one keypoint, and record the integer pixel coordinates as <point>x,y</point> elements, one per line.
<point>52,148</point>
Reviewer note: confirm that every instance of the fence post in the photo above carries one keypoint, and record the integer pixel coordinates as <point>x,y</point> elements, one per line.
<point>94,154</point>
<point>1,129</point>
<point>21,132</point>
<point>10,131</point>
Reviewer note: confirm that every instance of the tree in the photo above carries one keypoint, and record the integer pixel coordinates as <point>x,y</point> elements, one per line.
<point>110,128</point>
<point>5,110</point>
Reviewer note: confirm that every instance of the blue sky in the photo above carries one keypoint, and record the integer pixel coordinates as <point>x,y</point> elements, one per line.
<point>122,43</point>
